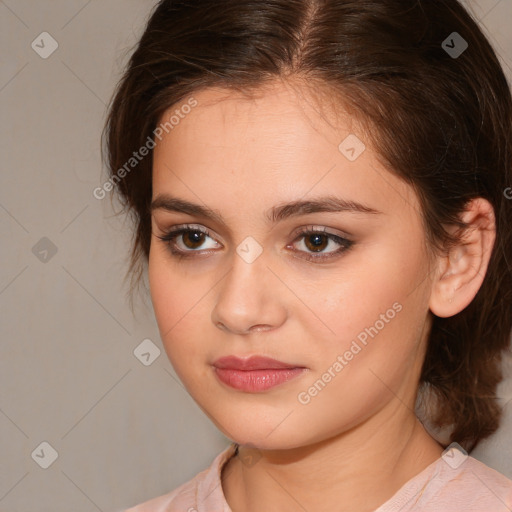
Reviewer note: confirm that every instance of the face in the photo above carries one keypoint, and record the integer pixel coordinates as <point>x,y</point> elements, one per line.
<point>340,293</point>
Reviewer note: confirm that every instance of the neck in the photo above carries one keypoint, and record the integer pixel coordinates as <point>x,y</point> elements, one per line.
<point>366,466</point>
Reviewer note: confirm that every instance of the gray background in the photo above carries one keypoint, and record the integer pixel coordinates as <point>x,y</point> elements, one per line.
<point>124,432</point>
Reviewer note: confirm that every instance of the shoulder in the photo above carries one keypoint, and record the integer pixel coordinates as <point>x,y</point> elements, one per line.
<point>484,486</point>
<point>467,485</point>
<point>455,481</point>
<point>204,490</point>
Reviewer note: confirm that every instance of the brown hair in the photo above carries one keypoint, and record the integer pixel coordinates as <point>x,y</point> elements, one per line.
<point>441,122</point>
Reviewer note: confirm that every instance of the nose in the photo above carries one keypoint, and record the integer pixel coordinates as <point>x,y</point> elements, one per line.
<point>249,298</point>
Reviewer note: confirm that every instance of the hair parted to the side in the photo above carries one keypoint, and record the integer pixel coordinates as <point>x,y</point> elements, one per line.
<point>442,124</point>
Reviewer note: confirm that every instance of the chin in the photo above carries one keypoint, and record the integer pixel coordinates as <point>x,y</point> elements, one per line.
<point>255,427</point>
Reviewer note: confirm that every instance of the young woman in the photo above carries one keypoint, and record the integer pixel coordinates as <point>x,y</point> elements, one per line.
<point>321,193</point>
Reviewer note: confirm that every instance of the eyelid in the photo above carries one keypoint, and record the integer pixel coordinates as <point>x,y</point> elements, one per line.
<point>323,229</point>
<point>345,243</point>
<point>179,229</point>
<point>296,232</point>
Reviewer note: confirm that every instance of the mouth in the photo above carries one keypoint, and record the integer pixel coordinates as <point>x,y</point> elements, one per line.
<point>254,374</point>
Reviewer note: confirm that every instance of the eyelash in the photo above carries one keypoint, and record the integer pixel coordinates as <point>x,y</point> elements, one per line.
<point>169,237</point>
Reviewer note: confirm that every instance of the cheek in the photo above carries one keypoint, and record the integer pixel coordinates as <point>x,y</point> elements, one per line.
<point>172,295</point>
<point>161,289</point>
<point>357,301</point>
<point>364,369</point>
<point>178,304</point>
<point>376,311</point>
<point>167,296</point>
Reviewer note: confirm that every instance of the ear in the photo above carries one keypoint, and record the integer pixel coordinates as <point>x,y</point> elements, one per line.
<point>461,273</point>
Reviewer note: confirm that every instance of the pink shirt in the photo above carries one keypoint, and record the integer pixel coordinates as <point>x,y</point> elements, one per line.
<point>458,483</point>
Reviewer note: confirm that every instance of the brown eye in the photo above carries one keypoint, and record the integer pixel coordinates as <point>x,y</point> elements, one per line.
<point>316,242</point>
<point>312,245</point>
<point>187,239</point>
<point>193,239</point>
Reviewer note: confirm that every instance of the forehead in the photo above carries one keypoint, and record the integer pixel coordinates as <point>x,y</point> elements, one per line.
<point>281,106</point>
<point>277,143</point>
<point>279,126</point>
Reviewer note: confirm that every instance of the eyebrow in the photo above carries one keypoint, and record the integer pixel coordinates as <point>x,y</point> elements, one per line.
<point>275,214</point>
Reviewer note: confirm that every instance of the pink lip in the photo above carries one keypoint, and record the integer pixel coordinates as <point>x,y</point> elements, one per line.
<point>251,363</point>
<point>257,373</point>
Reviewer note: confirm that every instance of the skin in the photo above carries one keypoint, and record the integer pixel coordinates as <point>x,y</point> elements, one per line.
<point>358,437</point>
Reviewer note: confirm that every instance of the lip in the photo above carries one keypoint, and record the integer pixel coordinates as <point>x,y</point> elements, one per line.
<point>254,374</point>
<point>252,363</point>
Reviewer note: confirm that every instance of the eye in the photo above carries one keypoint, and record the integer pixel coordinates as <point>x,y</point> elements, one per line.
<point>192,237</point>
<point>316,239</point>
<point>187,239</point>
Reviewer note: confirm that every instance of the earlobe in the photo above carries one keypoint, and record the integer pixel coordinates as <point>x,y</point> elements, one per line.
<point>462,271</point>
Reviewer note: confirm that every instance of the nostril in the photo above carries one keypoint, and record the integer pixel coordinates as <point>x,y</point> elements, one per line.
<point>260,327</point>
